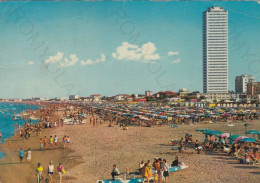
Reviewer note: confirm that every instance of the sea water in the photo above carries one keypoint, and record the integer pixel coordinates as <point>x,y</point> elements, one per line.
<point>7,111</point>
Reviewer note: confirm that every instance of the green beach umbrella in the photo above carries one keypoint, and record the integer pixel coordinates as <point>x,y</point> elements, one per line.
<point>207,131</point>
<point>252,132</point>
<point>201,130</point>
<point>214,133</point>
<point>232,137</point>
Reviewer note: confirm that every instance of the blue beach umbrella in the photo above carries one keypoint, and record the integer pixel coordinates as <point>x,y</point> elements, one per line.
<point>248,140</point>
<point>252,132</point>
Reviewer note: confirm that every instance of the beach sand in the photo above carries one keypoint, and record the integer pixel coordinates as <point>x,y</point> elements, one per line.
<point>94,150</point>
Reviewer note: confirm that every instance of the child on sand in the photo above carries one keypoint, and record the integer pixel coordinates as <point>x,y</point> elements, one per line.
<point>155,176</point>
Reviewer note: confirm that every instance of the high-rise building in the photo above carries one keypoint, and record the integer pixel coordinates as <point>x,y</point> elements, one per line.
<point>253,89</point>
<point>215,50</point>
<point>148,93</point>
<point>241,83</point>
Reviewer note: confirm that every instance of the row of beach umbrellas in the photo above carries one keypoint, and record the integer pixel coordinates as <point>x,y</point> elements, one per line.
<point>238,138</point>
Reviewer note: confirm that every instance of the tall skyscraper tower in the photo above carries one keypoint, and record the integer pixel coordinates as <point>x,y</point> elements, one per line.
<point>215,50</point>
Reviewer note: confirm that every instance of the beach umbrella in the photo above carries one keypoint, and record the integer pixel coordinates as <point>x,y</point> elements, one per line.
<point>214,133</point>
<point>252,132</point>
<point>162,117</point>
<point>248,140</point>
<point>207,131</point>
<point>201,130</point>
<point>224,135</point>
<point>240,138</point>
<point>233,137</point>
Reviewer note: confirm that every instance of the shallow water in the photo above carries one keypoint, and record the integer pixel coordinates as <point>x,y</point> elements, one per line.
<point>7,111</point>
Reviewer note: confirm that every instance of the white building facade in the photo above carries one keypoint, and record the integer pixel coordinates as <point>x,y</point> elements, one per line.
<point>215,50</point>
<point>241,83</point>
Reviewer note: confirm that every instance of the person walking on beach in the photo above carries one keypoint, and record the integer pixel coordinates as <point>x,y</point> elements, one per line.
<point>68,141</point>
<point>39,171</point>
<point>60,171</point>
<point>29,155</point>
<point>55,140</point>
<point>50,171</point>
<point>51,142</point>
<point>181,146</point>
<point>21,154</point>
<point>165,171</point>
<point>64,141</point>
<point>41,144</point>
<point>45,141</point>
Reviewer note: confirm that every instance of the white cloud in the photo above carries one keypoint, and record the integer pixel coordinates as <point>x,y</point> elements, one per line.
<point>30,63</point>
<point>173,53</point>
<point>61,60</point>
<point>56,58</point>
<point>178,60</point>
<point>98,60</point>
<point>132,52</point>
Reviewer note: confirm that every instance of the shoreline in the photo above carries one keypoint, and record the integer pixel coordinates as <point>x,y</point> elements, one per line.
<point>25,120</point>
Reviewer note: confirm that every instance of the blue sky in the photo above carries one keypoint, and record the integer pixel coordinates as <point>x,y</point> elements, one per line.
<point>53,49</point>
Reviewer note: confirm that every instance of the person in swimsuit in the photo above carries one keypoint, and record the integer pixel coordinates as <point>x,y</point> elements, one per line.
<point>55,140</point>
<point>60,168</point>
<point>50,171</point>
<point>41,144</point>
<point>64,141</point>
<point>68,141</point>
<point>51,141</point>
<point>45,141</point>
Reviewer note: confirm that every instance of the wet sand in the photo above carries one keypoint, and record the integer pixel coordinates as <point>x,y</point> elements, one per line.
<point>94,150</point>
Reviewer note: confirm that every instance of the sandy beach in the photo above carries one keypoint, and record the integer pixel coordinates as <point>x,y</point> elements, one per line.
<point>94,150</point>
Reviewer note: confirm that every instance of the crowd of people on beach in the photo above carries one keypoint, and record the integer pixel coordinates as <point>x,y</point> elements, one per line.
<point>158,169</point>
